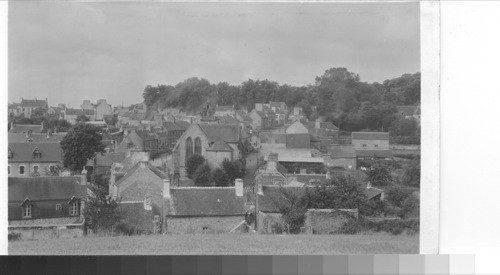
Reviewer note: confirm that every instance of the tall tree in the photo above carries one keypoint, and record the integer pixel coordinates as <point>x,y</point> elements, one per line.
<point>201,176</point>
<point>80,144</point>
<point>192,164</point>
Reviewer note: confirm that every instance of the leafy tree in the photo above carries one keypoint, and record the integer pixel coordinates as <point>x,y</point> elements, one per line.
<point>403,127</point>
<point>341,192</point>
<point>292,206</point>
<point>408,206</point>
<point>219,178</point>
<point>81,118</point>
<point>398,195</point>
<point>101,212</point>
<point>80,144</point>
<point>411,175</point>
<point>201,176</point>
<point>233,170</point>
<point>192,164</point>
<point>379,174</point>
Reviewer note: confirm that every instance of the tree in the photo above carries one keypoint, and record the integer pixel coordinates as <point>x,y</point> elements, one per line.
<point>397,195</point>
<point>292,206</point>
<point>408,206</point>
<point>80,144</point>
<point>411,175</point>
<point>192,164</point>
<point>379,174</point>
<point>81,118</point>
<point>100,212</point>
<point>201,176</point>
<point>232,169</point>
<point>219,178</point>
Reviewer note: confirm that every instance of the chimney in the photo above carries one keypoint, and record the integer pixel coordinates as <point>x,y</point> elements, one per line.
<point>84,177</point>
<point>238,184</point>
<point>368,185</point>
<point>166,188</point>
<point>272,162</point>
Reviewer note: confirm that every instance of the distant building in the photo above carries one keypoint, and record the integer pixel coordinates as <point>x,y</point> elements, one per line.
<point>143,140</point>
<point>33,159</point>
<point>208,210</point>
<point>87,105</point>
<point>371,144</point>
<point>174,130</point>
<point>409,112</point>
<point>297,136</point>
<point>260,121</point>
<point>72,114</point>
<point>102,108</point>
<point>33,129</point>
<point>224,110</point>
<point>37,137</point>
<point>28,106</point>
<point>341,156</point>
<point>14,109</point>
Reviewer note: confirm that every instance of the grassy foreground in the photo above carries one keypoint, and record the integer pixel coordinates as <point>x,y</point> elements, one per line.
<point>222,245</point>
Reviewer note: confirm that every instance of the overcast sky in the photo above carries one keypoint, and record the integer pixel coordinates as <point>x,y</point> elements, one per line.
<point>68,52</point>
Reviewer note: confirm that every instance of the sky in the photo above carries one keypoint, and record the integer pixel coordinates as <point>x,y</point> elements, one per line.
<point>71,51</point>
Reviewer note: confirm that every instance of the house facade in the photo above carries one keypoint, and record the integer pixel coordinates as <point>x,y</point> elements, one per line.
<point>102,108</point>
<point>28,106</point>
<point>297,136</point>
<point>259,120</point>
<point>371,144</point>
<point>34,159</point>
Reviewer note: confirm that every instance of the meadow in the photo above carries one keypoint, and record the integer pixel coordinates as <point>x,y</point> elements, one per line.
<point>221,244</point>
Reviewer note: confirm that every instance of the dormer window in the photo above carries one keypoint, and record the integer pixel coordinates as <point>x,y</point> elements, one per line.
<point>73,206</point>
<point>37,154</point>
<point>27,211</point>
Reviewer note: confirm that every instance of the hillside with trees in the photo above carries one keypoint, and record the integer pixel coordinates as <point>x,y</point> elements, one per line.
<point>338,96</point>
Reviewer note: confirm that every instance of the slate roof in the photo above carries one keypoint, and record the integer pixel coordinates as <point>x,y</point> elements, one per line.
<point>342,151</point>
<point>45,188</point>
<point>208,201</point>
<point>227,132</point>
<point>79,112</point>
<point>407,110</point>
<point>173,126</point>
<point>374,153</point>
<point>24,128</point>
<point>244,116</point>
<point>146,134</point>
<point>108,159</point>
<point>272,195</point>
<point>21,137</point>
<point>33,103</point>
<point>372,192</point>
<point>308,178</point>
<point>132,170</point>
<point>23,151</point>
<point>220,146</point>
<point>370,135</point>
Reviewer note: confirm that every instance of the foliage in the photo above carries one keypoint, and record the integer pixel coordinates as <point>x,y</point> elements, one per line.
<point>292,207</point>
<point>411,176</point>
<point>192,164</point>
<point>394,226</point>
<point>101,213</point>
<point>341,192</point>
<point>81,118</point>
<point>374,208</point>
<point>220,178</point>
<point>54,170</point>
<point>233,170</point>
<point>405,131</point>
<point>398,195</point>
<point>379,174</point>
<point>201,176</point>
<point>80,144</point>
<point>408,206</point>
<point>111,121</point>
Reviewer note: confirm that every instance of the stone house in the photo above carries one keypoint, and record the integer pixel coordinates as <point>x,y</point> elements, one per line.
<point>270,175</point>
<point>143,140</point>
<point>33,159</point>
<point>206,210</point>
<point>244,118</point>
<point>13,109</point>
<point>206,140</point>
<point>260,121</point>
<point>28,106</point>
<point>371,144</point>
<point>101,163</point>
<point>297,136</point>
<point>102,108</point>
<point>174,130</point>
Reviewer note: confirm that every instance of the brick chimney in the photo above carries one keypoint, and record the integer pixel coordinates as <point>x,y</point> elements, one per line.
<point>238,184</point>
<point>272,162</point>
<point>166,188</point>
<point>84,177</point>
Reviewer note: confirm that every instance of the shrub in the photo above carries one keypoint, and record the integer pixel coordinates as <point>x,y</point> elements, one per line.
<point>398,195</point>
<point>277,228</point>
<point>395,227</point>
<point>201,176</point>
<point>125,229</point>
<point>411,175</point>
<point>220,178</point>
<point>379,174</point>
<point>192,164</point>
<point>14,236</point>
<point>407,156</point>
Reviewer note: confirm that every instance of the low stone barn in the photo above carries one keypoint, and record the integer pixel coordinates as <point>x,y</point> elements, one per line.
<point>203,210</point>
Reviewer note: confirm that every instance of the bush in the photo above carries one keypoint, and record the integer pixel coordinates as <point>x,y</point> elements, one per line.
<point>395,227</point>
<point>407,156</point>
<point>220,178</point>
<point>201,176</point>
<point>379,174</point>
<point>14,236</point>
<point>277,228</point>
<point>404,140</point>
<point>192,164</point>
<point>411,176</point>
<point>398,195</point>
<point>125,229</point>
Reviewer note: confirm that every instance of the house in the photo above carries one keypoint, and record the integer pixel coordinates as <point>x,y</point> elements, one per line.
<point>120,168</point>
<point>46,207</point>
<point>224,110</point>
<point>38,137</point>
<point>260,120</point>
<point>28,106</point>
<point>25,129</point>
<point>102,108</point>
<point>101,163</point>
<point>87,105</point>
<point>371,144</point>
<point>174,130</point>
<point>278,106</point>
<point>72,114</point>
<point>271,174</point>
<point>140,194</point>
<point>207,210</point>
<point>30,159</point>
<point>55,111</point>
<point>14,109</point>
<point>373,193</point>
<point>340,155</point>
<point>209,140</point>
<point>244,118</point>
<point>143,140</point>
<point>321,129</point>
<point>297,136</point>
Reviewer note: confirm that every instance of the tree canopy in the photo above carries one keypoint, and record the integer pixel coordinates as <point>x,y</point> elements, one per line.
<point>80,144</point>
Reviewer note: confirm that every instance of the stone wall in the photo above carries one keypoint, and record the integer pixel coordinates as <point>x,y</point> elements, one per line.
<point>200,225</point>
<point>328,221</point>
<point>42,232</point>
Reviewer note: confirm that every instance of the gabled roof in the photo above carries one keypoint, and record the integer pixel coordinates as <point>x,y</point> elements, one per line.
<point>372,192</point>
<point>407,110</point>
<point>228,120</point>
<point>108,159</point>
<point>146,134</point>
<point>45,188</point>
<point>308,178</point>
<point>136,167</point>
<point>33,103</point>
<point>220,145</point>
<point>204,201</point>
<point>23,151</point>
<point>374,153</point>
<point>370,135</point>
<point>322,125</point>
<point>227,132</point>
<point>25,128</point>
<point>244,116</point>
<point>21,137</point>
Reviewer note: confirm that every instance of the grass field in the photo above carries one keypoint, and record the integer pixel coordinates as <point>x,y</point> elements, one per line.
<point>222,245</point>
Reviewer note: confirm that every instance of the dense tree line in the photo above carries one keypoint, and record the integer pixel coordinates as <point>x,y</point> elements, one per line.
<point>338,96</point>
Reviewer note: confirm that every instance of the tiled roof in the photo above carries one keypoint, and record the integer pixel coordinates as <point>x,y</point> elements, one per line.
<point>132,170</point>
<point>244,116</point>
<point>108,159</point>
<point>407,110</point>
<point>372,192</point>
<point>21,137</point>
<point>208,201</point>
<point>370,135</point>
<point>374,153</point>
<point>220,145</point>
<point>342,151</point>
<point>24,128</point>
<point>45,188</point>
<point>226,132</point>
<point>34,103</point>
<point>50,151</point>
<point>79,112</point>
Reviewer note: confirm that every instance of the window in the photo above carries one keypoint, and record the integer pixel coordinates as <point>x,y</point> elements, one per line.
<point>73,210</point>
<point>58,206</point>
<point>189,148</point>
<point>21,169</point>
<point>364,145</point>
<point>27,211</point>
<point>37,153</point>
<point>376,145</point>
<point>205,229</point>
<point>35,169</point>
<point>197,146</point>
